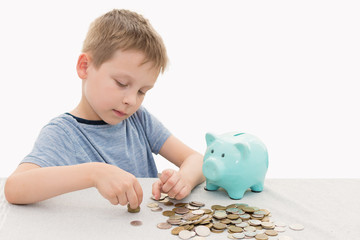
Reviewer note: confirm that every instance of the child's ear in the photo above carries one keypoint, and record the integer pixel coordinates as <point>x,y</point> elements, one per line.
<point>82,65</point>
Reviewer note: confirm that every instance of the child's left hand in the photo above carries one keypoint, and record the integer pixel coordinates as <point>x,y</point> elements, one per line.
<point>172,183</point>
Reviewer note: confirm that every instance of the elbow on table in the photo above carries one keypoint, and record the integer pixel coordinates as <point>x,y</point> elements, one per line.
<point>11,190</point>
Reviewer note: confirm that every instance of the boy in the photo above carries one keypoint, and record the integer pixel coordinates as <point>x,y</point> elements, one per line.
<point>108,139</point>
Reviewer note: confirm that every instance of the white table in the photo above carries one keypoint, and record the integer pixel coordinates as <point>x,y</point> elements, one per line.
<point>328,208</point>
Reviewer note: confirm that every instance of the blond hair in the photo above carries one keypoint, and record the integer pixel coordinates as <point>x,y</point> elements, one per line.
<point>124,30</point>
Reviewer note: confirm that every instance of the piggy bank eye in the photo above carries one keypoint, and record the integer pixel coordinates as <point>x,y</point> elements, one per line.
<point>223,155</point>
<point>212,150</point>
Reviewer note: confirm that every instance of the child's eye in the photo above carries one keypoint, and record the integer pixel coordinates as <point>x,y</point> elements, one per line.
<point>141,93</point>
<point>120,84</point>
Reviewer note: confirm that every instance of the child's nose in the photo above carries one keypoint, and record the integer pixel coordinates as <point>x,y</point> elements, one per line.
<point>130,98</point>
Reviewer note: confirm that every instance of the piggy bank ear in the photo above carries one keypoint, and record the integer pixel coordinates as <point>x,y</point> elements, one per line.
<point>210,138</point>
<point>243,149</point>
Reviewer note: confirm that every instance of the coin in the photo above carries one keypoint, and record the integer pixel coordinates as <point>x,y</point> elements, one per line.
<point>250,234</point>
<point>219,226</point>
<point>153,205</point>
<point>176,230</point>
<point>248,209</point>
<point>235,229</point>
<point>157,209</point>
<point>130,210</point>
<point>261,237</point>
<point>254,222</point>
<point>280,229</point>
<point>271,232</point>
<point>185,234</point>
<point>238,235</point>
<point>168,213</point>
<point>136,223</point>
<point>197,204</point>
<point>164,225</point>
<point>198,212</point>
<point>296,227</point>
<point>181,210</point>
<point>202,231</point>
<point>280,224</point>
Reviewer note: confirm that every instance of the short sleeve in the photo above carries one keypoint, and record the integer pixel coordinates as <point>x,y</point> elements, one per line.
<point>156,133</point>
<point>53,147</point>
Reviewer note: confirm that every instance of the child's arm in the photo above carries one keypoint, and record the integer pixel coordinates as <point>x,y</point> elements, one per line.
<point>178,184</point>
<point>31,183</point>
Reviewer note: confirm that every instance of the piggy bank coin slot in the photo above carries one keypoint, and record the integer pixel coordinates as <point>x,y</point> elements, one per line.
<point>238,134</point>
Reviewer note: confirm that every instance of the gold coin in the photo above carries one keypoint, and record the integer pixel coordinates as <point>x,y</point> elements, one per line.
<point>248,209</point>
<point>169,203</point>
<point>176,230</point>
<point>268,225</point>
<point>219,226</point>
<point>233,216</point>
<point>235,229</point>
<point>130,210</point>
<point>180,204</point>
<point>261,237</point>
<point>168,213</point>
<point>207,211</point>
<point>214,230</point>
<point>225,221</point>
<point>218,207</point>
<point>271,232</point>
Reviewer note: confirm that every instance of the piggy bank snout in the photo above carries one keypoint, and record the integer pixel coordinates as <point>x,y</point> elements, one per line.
<point>213,169</point>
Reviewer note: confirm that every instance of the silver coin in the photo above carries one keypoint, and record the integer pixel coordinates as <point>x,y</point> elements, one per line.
<point>238,235</point>
<point>153,205</point>
<point>164,225</point>
<point>136,223</point>
<point>296,227</point>
<point>243,224</point>
<point>202,231</point>
<point>250,234</point>
<point>198,212</point>
<point>157,209</point>
<point>280,229</point>
<point>280,224</point>
<point>254,222</point>
<point>185,234</point>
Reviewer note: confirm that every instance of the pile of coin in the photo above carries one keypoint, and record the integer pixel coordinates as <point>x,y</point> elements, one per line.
<point>239,220</point>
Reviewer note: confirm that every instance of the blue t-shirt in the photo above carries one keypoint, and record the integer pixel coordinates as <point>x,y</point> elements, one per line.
<point>67,140</point>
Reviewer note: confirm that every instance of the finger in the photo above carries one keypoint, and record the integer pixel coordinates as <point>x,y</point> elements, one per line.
<point>176,189</point>
<point>184,192</point>
<point>132,198</point>
<point>156,189</point>
<point>138,192</point>
<point>166,174</point>
<point>122,199</point>
<point>113,200</point>
<point>171,182</point>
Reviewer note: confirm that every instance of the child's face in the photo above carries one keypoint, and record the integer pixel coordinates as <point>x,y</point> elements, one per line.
<point>115,90</point>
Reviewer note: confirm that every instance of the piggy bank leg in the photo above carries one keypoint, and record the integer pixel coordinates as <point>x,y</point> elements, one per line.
<point>257,187</point>
<point>211,187</point>
<point>236,194</point>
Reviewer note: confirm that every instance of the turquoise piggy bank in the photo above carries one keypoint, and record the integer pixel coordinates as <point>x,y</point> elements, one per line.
<point>235,162</point>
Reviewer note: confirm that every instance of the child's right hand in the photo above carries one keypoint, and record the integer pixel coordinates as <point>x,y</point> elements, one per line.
<point>117,185</point>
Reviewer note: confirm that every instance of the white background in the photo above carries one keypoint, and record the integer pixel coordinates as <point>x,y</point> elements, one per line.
<point>286,71</point>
